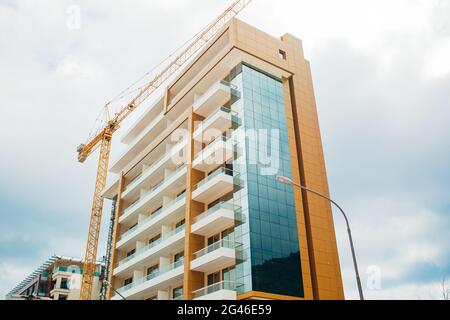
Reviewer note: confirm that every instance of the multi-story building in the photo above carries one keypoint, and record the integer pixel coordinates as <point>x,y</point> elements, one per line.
<point>58,278</point>
<point>200,213</point>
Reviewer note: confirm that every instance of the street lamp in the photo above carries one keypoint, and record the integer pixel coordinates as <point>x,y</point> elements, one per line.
<point>108,284</point>
<point>288,181</point>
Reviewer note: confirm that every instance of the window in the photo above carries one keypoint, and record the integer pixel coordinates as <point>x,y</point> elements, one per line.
<point>214,203</point>
<point>131,252</point>
<point>282,54</point>
<point>62,297</point>
<point>178,257</point>
<point>177,292</point>
<point>213,239</point>
<point>155,211</point>
<point>213,278</point>
<point>154,239</point>
<point>33,288</point>
<point>152,271</point>
<point>181,193</point>
<point>214,171</point>
<point>64,284</point>
<point>224,235</point>
<point>133,226</point>
<point>128,281</point>
<point>228,274</point>
<point>30,290</point>
<point>180,224</point>
<point>42,289</point>
<point>228,234</point>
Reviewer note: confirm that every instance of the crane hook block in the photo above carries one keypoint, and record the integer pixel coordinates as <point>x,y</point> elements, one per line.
<point>81,147</point>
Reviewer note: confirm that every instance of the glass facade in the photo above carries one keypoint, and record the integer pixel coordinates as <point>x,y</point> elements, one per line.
<point>270,257</point>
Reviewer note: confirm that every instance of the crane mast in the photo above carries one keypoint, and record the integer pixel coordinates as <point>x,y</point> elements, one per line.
<point>104,138</point>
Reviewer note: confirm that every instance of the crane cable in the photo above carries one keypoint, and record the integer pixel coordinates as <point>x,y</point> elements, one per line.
<point>126,92</point>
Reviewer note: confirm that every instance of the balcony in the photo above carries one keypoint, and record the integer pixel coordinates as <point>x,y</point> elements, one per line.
<point>172,184</point>
<point>64,271</point>
<point>215,186</point>
<point>218,95</point>
<point>217,256</point>
<point>224,290</point>
<point>214,155</point>
<point>62,291</point>
<point>151,174</point>
<point>160,279</point>
<point>167,244</point>
<point>170,212</point>
<point>219,217</point>
<point>144,138</point>
<point>215,125</point>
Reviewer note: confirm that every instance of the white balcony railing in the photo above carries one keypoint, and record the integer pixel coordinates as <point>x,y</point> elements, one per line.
<point>171,153</point>
<point>213,247</point>
<point>215,154</point>
<point>222,205</point>
<point>218,184</point>
<point>146,135</point>
<point>216,173</point>
<point>218,94</point>
<point>152,276</point>
<point>160,212</point>
<point>227,115</point>
<point>152,245</point>
<point>154,189</point>
<point>216,287</point>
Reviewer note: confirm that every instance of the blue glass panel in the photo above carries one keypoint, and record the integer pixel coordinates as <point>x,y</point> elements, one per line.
<point>271,256</point>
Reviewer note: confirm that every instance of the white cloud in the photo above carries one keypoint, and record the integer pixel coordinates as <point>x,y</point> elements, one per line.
<point>438,62</point>
<point>73,67</point>
<point>398,236</point>
<point>427,291</point>
<point>11,274</point>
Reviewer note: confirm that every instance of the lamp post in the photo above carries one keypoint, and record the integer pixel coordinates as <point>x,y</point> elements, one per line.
<point>288,181</point>
<point>108,284</point>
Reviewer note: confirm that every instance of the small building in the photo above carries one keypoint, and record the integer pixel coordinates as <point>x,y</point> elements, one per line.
<point>58,278</point>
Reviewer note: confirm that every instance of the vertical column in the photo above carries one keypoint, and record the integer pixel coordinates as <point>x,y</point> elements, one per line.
<point>58,283</point>
<point>138,274</point>
<point>304,234</point>
<point>141,217</point>
<point>192,280</point>
<point>140,245</point>
<point>325,269</point>
<point>115,235</point>
<point>164,262</point>
<point>165,230</point>
<point>163,295</point>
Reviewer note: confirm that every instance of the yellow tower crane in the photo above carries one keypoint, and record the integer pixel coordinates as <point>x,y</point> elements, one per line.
<point>104,137</point>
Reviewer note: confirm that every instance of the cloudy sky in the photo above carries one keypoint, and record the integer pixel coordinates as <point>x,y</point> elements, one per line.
<point>382,78</point>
